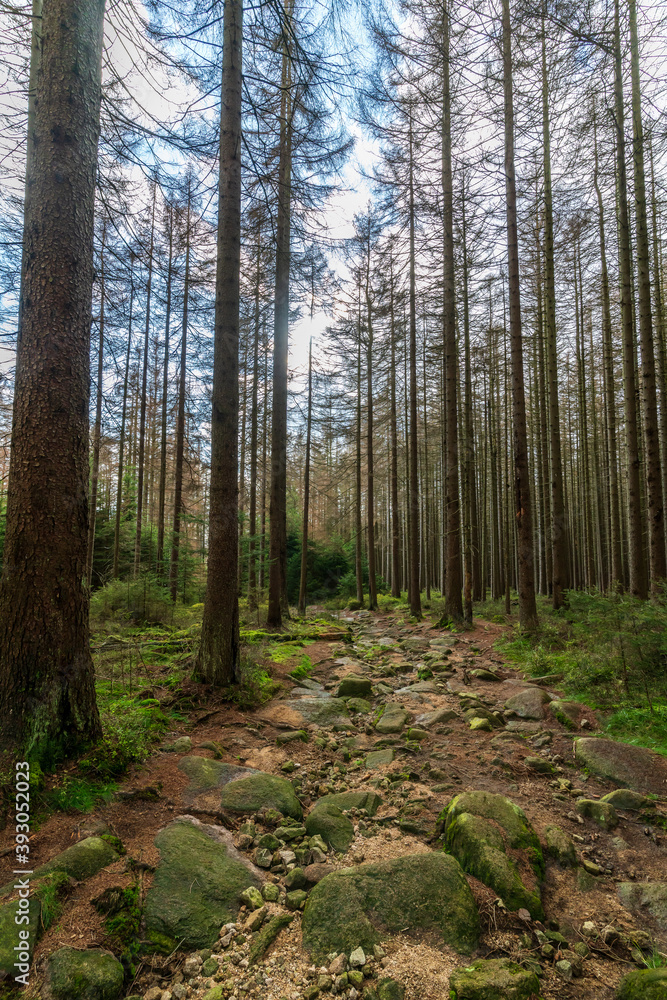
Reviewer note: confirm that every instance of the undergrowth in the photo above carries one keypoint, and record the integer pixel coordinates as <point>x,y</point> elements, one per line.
<point>611,651</point>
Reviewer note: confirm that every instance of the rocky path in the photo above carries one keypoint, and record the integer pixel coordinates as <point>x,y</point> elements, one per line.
<point>413,820</point>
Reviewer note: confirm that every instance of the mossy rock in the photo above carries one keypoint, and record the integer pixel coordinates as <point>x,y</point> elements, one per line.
<point>389,989</point>
<point>646,984</point>
<point>9,934</point>
<point>354,686</point>
<point>627,766</point>
<point>327,820</point>
<point>80,861</point>
<point>359,705</point>
<point>355,907</point>
<point>493,979</point>
<point>195,888</point>
<point>567,712</point>
<point>393,719</point>
<point>560,847</point>
<point>370,801</point>
<point>480,828</point>
<point>84,975</point>
<point>647,900</point>
<point>600,812</point>
<point>205,774</point>
<point>261,791</point>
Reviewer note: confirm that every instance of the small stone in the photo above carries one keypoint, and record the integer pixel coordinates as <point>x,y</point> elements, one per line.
<point>590,867</point>
<point>252,898</point>
<point>539,765</point>
<point>209,967</point>
<point>154,993</point>
<point>296,900</point>
<point>338,965</point>
<point>182,745</point>
<point>355,977</point>
<point>191,965</point>
<point>589,929</point>
<point>357,958</point>
<point>341,982</point>
<point>477,724</point>
<point>263,858</point>
<point>270,892</point>
<point>564,969</point>
<point>254,922</point>
<point>600,812</point>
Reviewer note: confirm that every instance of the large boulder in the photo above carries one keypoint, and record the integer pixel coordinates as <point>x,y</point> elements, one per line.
<point>196,886</point>
<point>370,801</point>
<point>84,975</point>
<point>327,820</point>
<point>648,900</point>
<point>529,703</point>
<point>261,791</point>
<point>493,979</point>
<point>355,907</point>
<point>80,861</point>
<point>492,839</point>
<point>627,766</point>
<point>646,984</point>
<point>393,718</point>
<point>353,686</point>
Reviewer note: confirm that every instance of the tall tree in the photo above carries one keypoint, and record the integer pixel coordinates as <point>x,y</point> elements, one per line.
<point>47,693</point>
<point>217,661</point>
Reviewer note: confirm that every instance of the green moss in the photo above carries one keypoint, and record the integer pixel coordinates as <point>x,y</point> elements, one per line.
<point>354,906</point>
<point>261,791</point>
<point>327,820</point>
<point>84,975</point>
<point>647,984</point>
<point>493,979</point>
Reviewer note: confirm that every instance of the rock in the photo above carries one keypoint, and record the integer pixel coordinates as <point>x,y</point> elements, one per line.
<point>560,847</point>
<point>210,966</point>
<point>529,703</point>
<point>625,798</point>
<point>389,989</point>
<point>270,892</point>
<point>379,758</point>
<point>292,736</point>
<point>80,861</point>
<point>480,724</point>
<point>207,777</point>
<point>564,969</point>
<point>421,687</point>
<point>625,765</point>
<point>217,993</point>
<point>315,873</point>
<point>261,791</point>
<point>436,718</point>
<point>328,821</point>
<point>481,829</point>
<point>418,734</point>
<point>289,833</point>
<point>295,879</point>
<point>370,801</point>
<point>484,675</point>
<point>84,975</point>
<point>354,686</point>
<point>493,979</point>
<point>359,705</point>
<point>253,923</point>
<point>600,812</point>
<point>646,984</point>
<point>182,745</point>
<point>392,719</point>
<point>539,765</point>
<point>267,936</point>
<point>323,711</point>
<point>295,900</point>
<point>196,886</point>
<point>647,900</point>
<point>9,935</point>
<point>353,907</point>
<point>252,897</point>
<point>568,713</point>
<point>357,958</point>
<point>338,965</point>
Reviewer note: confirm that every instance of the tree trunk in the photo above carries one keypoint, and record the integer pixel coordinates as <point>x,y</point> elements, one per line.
<point>47,691</point>
<point>143,400</point>
<point>526,583</point>
<point>121,441</point>
<point>306,490</point>
<point>163,415</point>
<point>252,527</point>
<point>217,661</point>
<point>358,569</point>
<point>637,564</point>
<point>97,429</point>
<point>180,420</point>
<point>370,480</point>
<point>415,596</point>
<point>395,516</point>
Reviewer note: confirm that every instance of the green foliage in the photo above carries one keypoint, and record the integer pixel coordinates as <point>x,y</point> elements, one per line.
<point>255,687</point>
<point>304,668</point>
<point>49,891</point>
<point>78,795</point>
<point>612,653</point>
<point>144,600</point>
<point>130,729</point>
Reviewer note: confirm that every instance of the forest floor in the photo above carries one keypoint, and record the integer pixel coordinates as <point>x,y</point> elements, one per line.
<point>587,939</point>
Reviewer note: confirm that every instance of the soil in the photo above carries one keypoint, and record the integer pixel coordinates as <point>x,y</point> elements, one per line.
<point>452,759</point>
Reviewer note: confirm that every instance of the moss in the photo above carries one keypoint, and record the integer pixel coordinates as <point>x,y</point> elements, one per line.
<point>261,791</point>
<point>328,821</point>
<point>425,892</point>
<point>267,936</point>
<point>84,975</point>
<point>9,933</point>
<point>560,846</point>
<point>493,979</point>
<point>370,801</point>
<point>647,984</point>
<point>195,888</point>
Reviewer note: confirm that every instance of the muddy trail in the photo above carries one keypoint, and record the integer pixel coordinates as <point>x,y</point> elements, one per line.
<point>412,819</point>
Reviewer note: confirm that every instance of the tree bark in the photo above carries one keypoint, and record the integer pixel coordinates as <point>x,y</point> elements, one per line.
<point>163,416</point>
<point>143,400</point>
<point>306,490</point>
<point>415,596</point>
<point>121,441</point>
<point>47,691</point>
<point>180,420</point>
<point>217,662</point>
<point>97,429</point>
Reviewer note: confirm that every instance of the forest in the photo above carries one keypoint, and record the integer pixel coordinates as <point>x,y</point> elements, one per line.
<point>331,322</point>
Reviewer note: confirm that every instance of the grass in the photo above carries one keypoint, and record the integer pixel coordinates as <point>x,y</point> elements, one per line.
<point>612,653</point>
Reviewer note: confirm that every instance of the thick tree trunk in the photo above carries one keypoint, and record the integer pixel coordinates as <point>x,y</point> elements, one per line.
<point>522,499</point>
<point>370,469</point>
<point>357,506</point>
<point>217,661</point>
<point>47,692</point>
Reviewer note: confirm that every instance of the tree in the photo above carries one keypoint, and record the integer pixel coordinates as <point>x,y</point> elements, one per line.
<point>47,692</point>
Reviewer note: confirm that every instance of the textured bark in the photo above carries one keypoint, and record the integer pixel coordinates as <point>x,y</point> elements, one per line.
<point>252,527</point>
<point>180,421</point>
<point>473,560</point>
<point>217,661</point>
<point>357,506</point>
<point>636,559</point>
<point>47,693</point>
<point>413,545</point>
<point>395,515</point>
<point>370,470</point>
<point>141,471</point>
<point>522,499</point>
